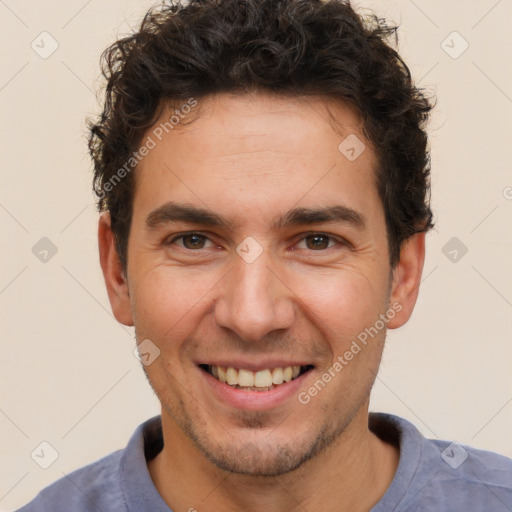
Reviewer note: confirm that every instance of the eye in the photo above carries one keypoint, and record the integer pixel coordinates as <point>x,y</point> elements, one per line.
<point>316,242</point>
<point>192,241</point>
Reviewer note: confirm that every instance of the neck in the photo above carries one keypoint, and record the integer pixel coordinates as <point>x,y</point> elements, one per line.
<point>352,474</point>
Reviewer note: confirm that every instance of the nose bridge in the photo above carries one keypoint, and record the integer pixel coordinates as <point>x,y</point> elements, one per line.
<point>253,283</point>
<point>254,301</point>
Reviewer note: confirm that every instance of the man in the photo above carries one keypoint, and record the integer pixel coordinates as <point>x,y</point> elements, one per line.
<point>263,177</point>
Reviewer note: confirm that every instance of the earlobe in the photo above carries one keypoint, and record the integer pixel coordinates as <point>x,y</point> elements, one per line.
<point>115,279</point>
<point>406,279</point>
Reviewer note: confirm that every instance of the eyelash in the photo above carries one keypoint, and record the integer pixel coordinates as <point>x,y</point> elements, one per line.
<point>337,240</point>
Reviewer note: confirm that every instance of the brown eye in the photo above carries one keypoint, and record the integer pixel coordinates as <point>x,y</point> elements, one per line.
<point>317,242</point>
<point>193,241</point>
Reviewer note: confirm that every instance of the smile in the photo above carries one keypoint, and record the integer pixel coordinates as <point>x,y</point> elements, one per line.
<point>248,380</point>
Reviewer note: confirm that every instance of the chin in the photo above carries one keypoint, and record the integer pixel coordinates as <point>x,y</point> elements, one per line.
<point>264,452</point>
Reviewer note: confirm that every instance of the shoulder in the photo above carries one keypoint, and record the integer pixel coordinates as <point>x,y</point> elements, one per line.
<point>111,482</point>
<point>83,490</point>
<point>443,475</point>
<point>465,478</point>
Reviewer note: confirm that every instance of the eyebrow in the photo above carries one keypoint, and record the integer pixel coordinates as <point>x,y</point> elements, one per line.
<point>178,212</point>
<point>337,213</point>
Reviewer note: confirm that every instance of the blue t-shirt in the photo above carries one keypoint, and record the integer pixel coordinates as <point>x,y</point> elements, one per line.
<point>432,476</point>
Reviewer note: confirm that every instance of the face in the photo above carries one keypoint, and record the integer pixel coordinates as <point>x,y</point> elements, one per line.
<point>258,250</point>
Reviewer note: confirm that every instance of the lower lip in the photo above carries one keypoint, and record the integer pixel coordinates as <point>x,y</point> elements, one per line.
<point>254,400</point>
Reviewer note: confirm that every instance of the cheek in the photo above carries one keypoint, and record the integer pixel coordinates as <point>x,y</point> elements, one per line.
<point>340,303</point>
<point>166,301</point>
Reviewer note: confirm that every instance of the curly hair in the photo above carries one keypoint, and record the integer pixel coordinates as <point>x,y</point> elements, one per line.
<point>287,47</point>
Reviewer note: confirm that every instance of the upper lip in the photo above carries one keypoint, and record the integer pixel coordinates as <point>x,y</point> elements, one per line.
<point>254,365</point>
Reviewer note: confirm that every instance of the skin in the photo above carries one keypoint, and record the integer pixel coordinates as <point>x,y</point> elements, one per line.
<point>251,159</point>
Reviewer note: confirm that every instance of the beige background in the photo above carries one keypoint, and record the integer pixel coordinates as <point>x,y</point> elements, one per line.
<point>68,374</point>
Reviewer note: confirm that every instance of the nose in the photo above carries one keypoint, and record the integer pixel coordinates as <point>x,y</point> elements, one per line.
<point>254,301</point>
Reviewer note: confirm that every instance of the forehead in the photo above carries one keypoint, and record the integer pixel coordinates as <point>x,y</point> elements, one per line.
<point>228,124</point>
<point>258,154</point>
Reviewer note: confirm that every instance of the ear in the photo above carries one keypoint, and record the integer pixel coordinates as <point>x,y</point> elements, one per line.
<point>115,279</point>
<point>406,279</point>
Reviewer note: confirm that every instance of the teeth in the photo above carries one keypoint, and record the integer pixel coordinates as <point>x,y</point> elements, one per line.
<point>231,376</point>
<point>246,378</point>
<point>277,376</point>
<point>262,380</point>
